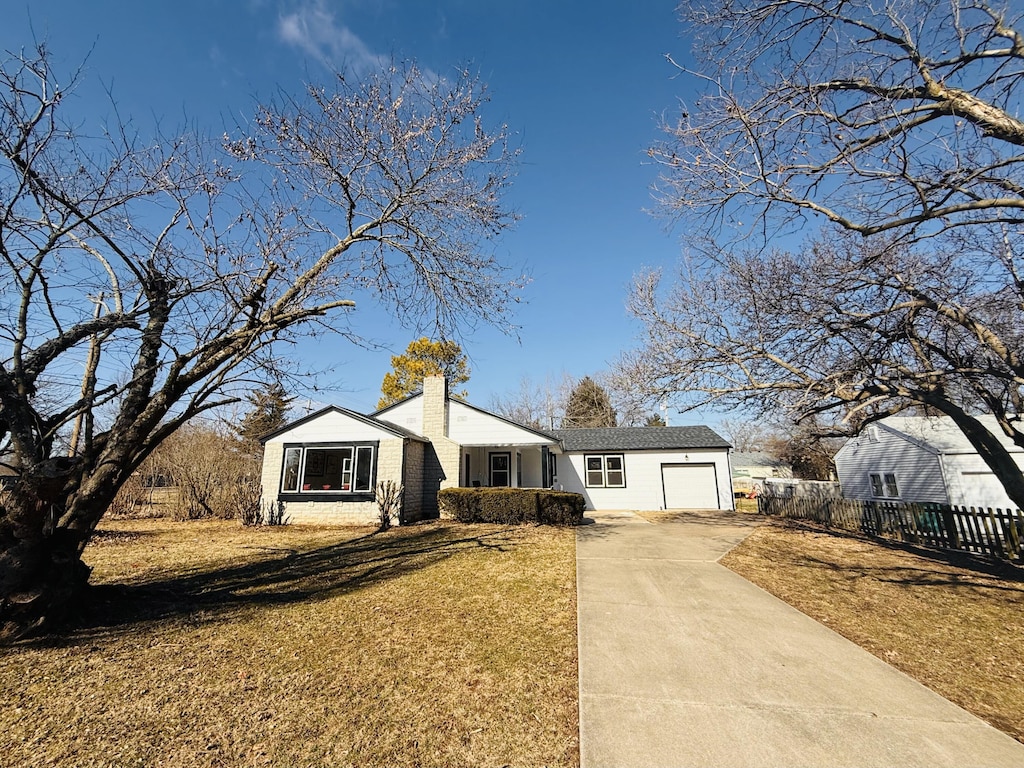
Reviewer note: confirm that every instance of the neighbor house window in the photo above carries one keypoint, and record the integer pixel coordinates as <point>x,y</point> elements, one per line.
<point>884,486</point>
<point>328,469</point>
<point>606,471</point>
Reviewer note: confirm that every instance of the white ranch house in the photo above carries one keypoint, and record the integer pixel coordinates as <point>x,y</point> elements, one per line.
<point>325,467</point>
<point>922,459</point>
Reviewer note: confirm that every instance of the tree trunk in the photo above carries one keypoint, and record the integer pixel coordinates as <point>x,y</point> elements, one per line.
<point>41,570</point>
<point>41,578</point>
<point>46,519</point>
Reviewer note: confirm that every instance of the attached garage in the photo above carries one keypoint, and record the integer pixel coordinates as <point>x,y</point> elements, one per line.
<point>690,486</point>
<point>646,468</point>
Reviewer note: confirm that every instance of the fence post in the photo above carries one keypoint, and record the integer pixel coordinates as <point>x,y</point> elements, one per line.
<point>1008,528</point>
<point>944,516</point>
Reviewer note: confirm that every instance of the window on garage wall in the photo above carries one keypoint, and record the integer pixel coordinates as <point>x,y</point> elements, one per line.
<point>605,470</point>
<point>884,485</point>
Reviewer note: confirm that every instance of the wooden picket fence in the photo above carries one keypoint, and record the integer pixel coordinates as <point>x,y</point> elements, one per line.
<point>995,532</point>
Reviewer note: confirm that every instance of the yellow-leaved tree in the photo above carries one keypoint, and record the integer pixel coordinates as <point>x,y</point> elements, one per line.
<point>422,358</point>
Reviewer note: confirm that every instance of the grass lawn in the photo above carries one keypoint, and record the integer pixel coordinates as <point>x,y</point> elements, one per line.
<point>208,644</point>
<point>952,622</point>
<point>746,505</point>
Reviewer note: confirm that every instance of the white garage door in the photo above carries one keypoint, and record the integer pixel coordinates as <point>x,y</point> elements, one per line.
<point>690,486</point>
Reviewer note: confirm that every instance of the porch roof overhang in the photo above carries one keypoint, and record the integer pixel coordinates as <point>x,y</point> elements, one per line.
<point>554,446</point>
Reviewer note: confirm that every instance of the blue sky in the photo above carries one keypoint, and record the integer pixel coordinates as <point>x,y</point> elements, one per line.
<point>580,84</point>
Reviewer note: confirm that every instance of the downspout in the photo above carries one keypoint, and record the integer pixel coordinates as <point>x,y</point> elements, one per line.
<point>728,469</point>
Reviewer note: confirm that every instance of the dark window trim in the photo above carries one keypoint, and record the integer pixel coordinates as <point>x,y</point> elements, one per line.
<point>318,494</point>
<point>322,495</point>
<point>604,469</point>
<point>490,468</point>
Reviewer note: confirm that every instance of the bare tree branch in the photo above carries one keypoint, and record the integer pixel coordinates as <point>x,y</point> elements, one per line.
<point>879,117</point>
<point>386,189</point>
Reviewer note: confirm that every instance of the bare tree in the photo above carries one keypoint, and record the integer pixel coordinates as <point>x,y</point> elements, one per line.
<point>214,473</point>
<point>746,435</point>
<point>846,331</point>
<point>896,120</point>
<point>892,115</point>
<point>540,405</point>
<point>803,448</point>
<point>172,268</point>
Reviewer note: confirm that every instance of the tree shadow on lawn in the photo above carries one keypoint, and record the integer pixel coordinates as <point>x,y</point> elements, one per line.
<point>988,568</point>
<point>281,577</point>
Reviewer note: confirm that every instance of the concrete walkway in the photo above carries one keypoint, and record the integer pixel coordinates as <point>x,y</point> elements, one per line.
<point>684,663</point>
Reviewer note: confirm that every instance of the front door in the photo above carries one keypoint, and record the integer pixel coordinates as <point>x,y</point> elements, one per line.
<point>500,475</point>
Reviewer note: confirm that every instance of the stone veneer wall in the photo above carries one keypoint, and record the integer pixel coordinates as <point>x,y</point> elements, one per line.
<point>389,466</point>
<point>442,464</point>
<point>412,473</point>
<point>270,480</point>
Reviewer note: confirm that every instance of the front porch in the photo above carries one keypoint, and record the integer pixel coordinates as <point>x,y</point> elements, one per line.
<point>507,466</point>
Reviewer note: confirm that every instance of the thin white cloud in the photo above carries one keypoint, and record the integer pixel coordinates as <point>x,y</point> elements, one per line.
<point>313,29</point>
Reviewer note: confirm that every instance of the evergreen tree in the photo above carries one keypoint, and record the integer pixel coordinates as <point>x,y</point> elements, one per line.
<point>268,412</point>
<point>588,406</point>
<point>423,358</point>
<point>655,420</point>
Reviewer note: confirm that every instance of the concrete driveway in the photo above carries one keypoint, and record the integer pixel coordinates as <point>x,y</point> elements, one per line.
<point>684,663</point>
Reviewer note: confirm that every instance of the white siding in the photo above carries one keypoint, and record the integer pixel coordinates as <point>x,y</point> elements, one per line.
<point>918,471</point>
<point>972,484</point>
<point>531,469</point>
<point>407,414</point>
<point>333,427</point>
<point>644,482</point>
<point>469,426</point>
<point>466,425</point>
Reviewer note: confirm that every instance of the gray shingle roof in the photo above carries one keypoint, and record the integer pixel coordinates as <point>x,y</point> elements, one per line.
<point>755,459</point>
<point>640,438</point>
<point>387,426</point>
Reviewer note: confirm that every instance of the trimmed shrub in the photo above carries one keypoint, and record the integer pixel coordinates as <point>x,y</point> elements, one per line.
<point>511,506</point>
<point>561,507</point>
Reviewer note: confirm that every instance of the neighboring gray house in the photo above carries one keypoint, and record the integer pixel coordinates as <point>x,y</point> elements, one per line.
<point>921,459</point>
<point>751,468</point>
<point>325,467</point>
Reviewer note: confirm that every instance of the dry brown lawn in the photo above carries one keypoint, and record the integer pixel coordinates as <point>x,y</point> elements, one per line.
<point>953,622</point>
<point>208,644</point>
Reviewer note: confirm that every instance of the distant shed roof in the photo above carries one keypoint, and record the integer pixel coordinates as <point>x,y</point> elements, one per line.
<point>755,459</point>
<point>640,438</point>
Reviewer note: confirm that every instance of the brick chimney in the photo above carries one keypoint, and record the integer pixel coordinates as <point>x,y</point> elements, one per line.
<point>435,407</point>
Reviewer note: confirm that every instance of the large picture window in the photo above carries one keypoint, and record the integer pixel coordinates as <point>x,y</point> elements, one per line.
<point>605,471</point>
<point>328,469</point>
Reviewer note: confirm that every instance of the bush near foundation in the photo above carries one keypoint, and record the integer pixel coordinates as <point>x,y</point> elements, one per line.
<point>511,506</point>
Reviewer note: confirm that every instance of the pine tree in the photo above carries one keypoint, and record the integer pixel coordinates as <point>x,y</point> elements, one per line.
<point>269,409</point>
<point>423,358</point>
<point>588,406</point>
<point>655,420</point>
